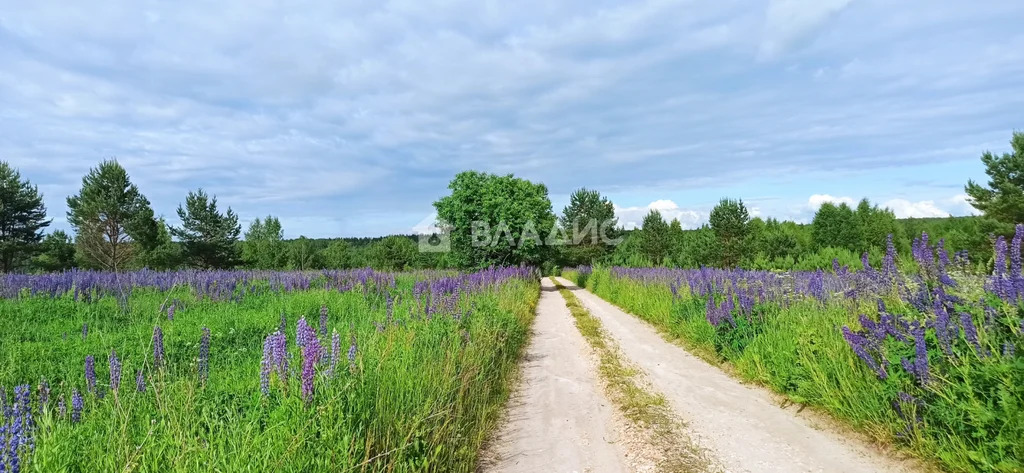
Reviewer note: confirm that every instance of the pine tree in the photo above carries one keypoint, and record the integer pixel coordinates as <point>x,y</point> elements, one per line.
<point>22,219</point>
<point>209,238</point>
<point>729,220</point>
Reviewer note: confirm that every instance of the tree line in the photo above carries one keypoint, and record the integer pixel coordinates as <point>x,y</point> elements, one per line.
<point>115,228</point>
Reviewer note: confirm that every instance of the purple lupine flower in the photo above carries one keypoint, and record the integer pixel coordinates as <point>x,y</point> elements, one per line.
<point>919,368</point>
<point>284,323</point>
<point>302,330</point>
<point>864,261</point>
<point>711,312</point>
<point>1009,349</point>
<point>335,352</point>
<point>943,327</point>
<point>140,381</point>
<point>1000,256</point>
<point>1015,261</point>
<point>309,359</point>
<point>265,364</point>
<point>889,261</point>
<point>158,347</point>
<point>90,373</point>
<point>352,348</point>
<point>170,313</point>
<point>323,320</point>
<point>115,371</point>
<point>76,406</point>
<point>204,355</point>
<point>971,333</point>
<point>16,428</point>
<point>62,409</point>
<point>85,331</point>
<point>44,393</point>
<point>280,351</point>
<point>306,338</point>
<point>861,346</point>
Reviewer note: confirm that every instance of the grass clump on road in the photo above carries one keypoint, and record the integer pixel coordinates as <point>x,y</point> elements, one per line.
<point>647,409</point>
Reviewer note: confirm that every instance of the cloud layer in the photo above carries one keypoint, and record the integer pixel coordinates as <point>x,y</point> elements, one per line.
<point>349,118</point>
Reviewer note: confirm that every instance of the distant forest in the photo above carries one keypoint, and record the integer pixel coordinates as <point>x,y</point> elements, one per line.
<point>114,228</point>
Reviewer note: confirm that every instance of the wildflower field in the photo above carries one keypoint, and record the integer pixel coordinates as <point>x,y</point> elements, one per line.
<point>256,371</point>
<point>921,352</point>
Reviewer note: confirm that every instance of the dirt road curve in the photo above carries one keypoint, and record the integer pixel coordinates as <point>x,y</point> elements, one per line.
<point>744,429</point>
<point>559,420</point>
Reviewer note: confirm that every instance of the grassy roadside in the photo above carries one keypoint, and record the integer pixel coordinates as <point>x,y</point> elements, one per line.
<point>644,408</point>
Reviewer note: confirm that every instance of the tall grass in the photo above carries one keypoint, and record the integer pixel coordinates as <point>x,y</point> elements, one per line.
<point>421,393</point>
<point>968,415</point>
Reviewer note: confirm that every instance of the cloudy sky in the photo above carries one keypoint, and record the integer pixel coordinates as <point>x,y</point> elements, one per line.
<point>348,118</point>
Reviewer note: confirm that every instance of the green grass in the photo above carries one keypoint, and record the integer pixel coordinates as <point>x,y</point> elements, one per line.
<point>972,412</point>
<point>421,396</point>
<point>647,409</point>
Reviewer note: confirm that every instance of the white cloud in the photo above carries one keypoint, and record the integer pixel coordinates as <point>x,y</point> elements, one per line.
<point>816,200</point>
<point>906,209</point>
<point>960,206</point>
<point>633,217</point>
<point>345,111</point>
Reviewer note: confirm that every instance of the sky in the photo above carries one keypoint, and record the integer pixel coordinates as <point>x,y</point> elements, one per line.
<point>349,118</point>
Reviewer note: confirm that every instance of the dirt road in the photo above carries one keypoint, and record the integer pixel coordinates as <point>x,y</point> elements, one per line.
<point>558,420</point>
<point>744,429</point>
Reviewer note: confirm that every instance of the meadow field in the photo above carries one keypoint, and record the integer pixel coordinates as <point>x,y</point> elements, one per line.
<point>917,352</point>
<point>256,371</point>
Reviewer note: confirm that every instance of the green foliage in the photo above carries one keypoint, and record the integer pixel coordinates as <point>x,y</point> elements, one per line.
<point>696,248</point>
<point>1003,198</point>
<point>876,224</point>
<point>837,226</point>
<point>209,238</point>
<point>57,253</point>
<point>263,247</point>
<point>339,254</point>
<point>590,221</point>
<point>729,220</point>
<point>22,219</point>
<point>165,254</point>
<point>655,238</point>
<point>111,218</point>
<point>629,252</point>
<point>302,255</point>
<point>427,392</point>
<point>496,220</point>
<point>393,253</point>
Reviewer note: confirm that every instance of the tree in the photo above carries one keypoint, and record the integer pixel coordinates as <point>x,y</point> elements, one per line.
<point>164,254</point>
<point>496,220</point>
<point>590,221</point>
<point>111,218</point>
<point>340,255</point>
<point>22,219</point>
<point>876,224</point>
<point>264,244</point>
<point>57,253</point>
<point>837,226</point>
<point>1003,199</point>
<point>655,237</point>
<point>729,220</point>
<point>302,256</point>
<point>393,253</point>
<point>209,238</point>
